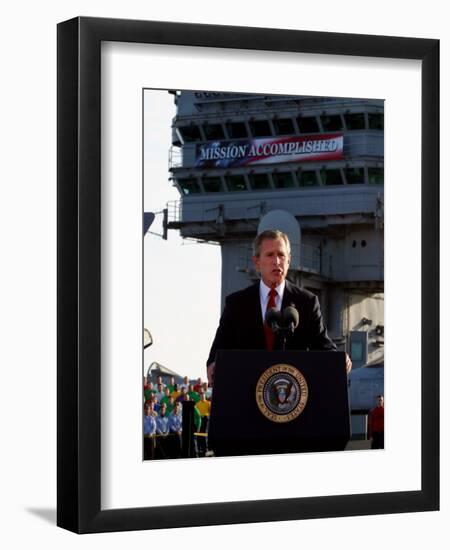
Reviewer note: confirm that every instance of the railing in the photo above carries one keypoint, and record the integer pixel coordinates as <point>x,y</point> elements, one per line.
<point>175,157</point>
<point>174,211</point>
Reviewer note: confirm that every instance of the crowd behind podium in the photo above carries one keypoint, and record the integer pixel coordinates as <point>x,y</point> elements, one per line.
<point>163,416</point>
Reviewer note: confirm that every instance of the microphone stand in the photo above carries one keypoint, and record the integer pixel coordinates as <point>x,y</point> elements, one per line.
<point>285,332</point>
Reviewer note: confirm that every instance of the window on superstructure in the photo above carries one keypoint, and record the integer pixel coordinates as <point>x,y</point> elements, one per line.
<point>307,178</point>
<point>354,175</point>
<point>188,186</point>
<point>236,182</point>
<point>283,126</point>
<point>212,184</point>
<point>355,121</point>
<point>376,121</point>
<point>259,181</point>
<point>308,124</point>
<point>283,180</point>
<point>260,128</point>
<point>376,175</point>
<point>213,131</point>
<point>331,176</point>
<point>190,133</point>
<point>237,130</point>
<point>331,123</point>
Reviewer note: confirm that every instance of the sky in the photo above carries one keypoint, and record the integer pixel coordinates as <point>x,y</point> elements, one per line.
<point>182,279</point>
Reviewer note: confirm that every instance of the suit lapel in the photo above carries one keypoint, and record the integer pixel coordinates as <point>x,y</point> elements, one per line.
<point>288,298</point>
<point>259,325</point>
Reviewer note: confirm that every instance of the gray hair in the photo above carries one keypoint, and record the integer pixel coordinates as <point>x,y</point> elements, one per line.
<point>269,234</point>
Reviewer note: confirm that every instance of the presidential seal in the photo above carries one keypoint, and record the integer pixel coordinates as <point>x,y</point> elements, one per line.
<point>281,393</point>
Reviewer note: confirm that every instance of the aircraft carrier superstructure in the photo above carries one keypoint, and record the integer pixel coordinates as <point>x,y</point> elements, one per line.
<point>310,166</point>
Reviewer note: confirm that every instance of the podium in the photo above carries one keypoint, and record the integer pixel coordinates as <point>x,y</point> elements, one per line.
<point>279,402</point>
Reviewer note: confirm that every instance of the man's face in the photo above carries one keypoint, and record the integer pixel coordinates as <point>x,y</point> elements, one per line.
<point>273,261</point>
<point>380,402</point>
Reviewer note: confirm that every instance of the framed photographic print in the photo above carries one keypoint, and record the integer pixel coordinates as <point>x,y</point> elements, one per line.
<point>205,131</point>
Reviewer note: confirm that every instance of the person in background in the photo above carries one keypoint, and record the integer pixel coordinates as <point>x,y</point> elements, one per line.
<point>149,390</point>
<point>170,405</point>
<point>165,397</point>
<point>185,383</point>
<point>175,426</point>
<point>159,380</point>
<point>193,395</point>
<point>162,429</point>
<point>159,392</point>
<point>171,384</point>
<point>204,408</point>
<point>176,392</point>
<point>208,390</point>
<point>152,401</point>
<point>183,393</point>
<point>376,424</point>
<point>198,385</point>
<point>149,432</point>
<point>162,421</point>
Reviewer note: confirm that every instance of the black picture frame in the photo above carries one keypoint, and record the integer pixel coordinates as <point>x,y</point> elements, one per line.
<point>79,275</point>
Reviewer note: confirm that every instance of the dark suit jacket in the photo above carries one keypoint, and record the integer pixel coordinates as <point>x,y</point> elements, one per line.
<point>241,325</point>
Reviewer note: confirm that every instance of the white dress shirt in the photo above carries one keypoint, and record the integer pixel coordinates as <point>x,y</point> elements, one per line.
<point>264,296</point>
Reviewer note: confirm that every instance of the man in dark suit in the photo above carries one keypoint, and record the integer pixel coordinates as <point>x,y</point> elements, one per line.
<point>242,323</point>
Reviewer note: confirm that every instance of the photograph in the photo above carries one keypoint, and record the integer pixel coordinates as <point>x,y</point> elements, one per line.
<point>265,217</point>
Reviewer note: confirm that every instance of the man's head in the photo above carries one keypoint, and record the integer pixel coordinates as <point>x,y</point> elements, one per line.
<point>272,256</point>
<point>163,409</point>
<point>166,391</point>
<point>148,409</point>
<point>380,401</point>
<point>172,380</point>
<point>160,387</point>
<point>186,380</point>
<point>202,395</point>
<point>177,409</point>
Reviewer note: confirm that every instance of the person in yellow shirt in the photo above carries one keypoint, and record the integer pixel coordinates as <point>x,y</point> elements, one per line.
<point>176,392</point>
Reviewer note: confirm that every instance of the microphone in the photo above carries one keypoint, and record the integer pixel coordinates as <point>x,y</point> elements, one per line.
<point>290,318</point>
<point>273,319</point>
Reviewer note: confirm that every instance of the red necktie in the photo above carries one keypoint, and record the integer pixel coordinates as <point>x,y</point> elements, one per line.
<point>267,330</point>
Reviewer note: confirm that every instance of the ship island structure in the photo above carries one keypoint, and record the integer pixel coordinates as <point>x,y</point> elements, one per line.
<point>312,167</point>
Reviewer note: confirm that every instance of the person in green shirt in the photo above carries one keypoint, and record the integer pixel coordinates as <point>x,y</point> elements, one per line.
<point>171,384</point>
<point>165,399</point>
<point>170,406</point>
<point>194,396</point>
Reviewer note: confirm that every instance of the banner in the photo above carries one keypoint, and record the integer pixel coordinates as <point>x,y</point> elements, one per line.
<point>226,154</point>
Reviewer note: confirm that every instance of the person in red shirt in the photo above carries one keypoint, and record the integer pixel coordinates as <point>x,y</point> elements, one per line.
<point>376,424</point>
